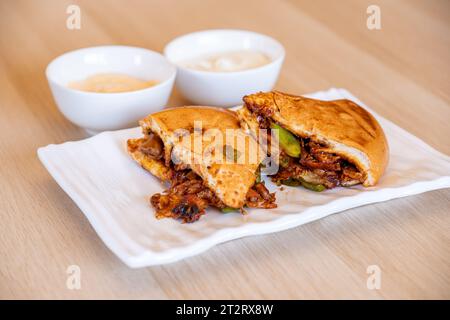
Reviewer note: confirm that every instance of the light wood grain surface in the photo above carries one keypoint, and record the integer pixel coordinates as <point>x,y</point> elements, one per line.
<point>402,71</point>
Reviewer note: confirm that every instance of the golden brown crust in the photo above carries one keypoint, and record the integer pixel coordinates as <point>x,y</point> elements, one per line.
<point>184,117</point>
<point>155,167</point>
<point>229,181</point>
<point>347,128</point>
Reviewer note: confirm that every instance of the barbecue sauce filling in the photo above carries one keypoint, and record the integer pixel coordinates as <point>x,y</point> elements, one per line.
<point>315,168</point>
<point>188,195</point>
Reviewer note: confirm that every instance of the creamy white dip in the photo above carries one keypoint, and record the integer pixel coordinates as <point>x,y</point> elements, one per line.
<point>227,61</point>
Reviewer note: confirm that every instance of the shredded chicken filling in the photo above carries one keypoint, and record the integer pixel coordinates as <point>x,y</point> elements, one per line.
<point>188,195</point>
<point>315,165</point>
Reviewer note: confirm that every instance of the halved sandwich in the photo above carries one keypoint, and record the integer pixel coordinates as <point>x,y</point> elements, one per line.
<point>188,148</point>
<point>321,144</point>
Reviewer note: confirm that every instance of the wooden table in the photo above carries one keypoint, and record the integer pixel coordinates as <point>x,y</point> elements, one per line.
<point>402,71</point>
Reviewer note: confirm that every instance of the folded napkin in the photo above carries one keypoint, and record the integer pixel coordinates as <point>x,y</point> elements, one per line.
<point>113,191</point>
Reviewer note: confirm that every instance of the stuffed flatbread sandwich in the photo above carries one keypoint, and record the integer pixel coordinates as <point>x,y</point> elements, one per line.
<point>185,147</point>
<point>321,144</point>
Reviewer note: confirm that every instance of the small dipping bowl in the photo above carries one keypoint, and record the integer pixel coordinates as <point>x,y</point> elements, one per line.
<point>223,89</point>
<point>98,112</point>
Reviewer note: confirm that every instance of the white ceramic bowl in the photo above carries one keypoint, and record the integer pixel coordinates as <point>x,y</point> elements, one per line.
<point>109,111</point>
<point>223,88</point>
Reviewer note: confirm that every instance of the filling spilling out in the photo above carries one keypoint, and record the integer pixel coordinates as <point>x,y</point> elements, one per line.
<point>308,163</point>
<point>188,195</point>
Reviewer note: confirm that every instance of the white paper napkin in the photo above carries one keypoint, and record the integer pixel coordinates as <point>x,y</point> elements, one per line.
<point>112,191</point>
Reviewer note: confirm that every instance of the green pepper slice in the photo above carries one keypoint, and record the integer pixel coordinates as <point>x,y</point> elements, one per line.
<point>312,186</point>
<point>288,142</point>
<point>258,175</point>
<point>292,182</point>
<point>228,209</point>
